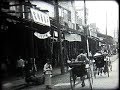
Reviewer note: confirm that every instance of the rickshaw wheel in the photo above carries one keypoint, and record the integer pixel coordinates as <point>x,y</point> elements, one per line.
<point>108,74</point>
<point>72,80</point>
<point>94,71</point>
<point>107,69</point>
<point>90,78</point>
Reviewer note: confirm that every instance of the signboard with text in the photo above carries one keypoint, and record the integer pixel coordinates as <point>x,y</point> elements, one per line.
<point>42,36</point>
<point>72,37</point>
<point>40,17</point>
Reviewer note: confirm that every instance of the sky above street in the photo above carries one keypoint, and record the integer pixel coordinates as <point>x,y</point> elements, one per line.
<point>101,11</point>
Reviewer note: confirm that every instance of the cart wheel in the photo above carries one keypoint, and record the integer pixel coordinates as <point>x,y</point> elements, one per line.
<point>72,80</point>
<point>90,78</point>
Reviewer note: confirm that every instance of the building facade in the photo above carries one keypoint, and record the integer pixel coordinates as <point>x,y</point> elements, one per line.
<point>29,29</point>
<point>25,31</point>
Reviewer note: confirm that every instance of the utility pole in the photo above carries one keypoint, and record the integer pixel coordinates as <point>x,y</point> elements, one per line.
<point>59,38</point>
<point>86,29</point>
<point>106,31</point>
<point>106,22</point>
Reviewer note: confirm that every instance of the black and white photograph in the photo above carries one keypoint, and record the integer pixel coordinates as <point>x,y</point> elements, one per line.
<point>59,44</point>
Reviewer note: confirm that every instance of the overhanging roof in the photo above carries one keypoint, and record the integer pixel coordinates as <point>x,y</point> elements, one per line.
<point>26,22</point>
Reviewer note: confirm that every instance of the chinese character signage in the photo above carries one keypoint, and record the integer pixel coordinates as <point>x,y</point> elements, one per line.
<point>42,36</point>
<point>72,37</point>
<point>40,17</point>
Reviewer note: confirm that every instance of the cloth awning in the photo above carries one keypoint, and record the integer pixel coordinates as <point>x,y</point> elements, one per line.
<point>72,37</point>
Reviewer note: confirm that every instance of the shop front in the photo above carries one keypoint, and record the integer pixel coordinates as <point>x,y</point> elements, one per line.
<point>24,38</point>
<point>73,43</point>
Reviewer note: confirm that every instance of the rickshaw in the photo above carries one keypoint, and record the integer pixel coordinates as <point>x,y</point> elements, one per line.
<point>100,65</point>
<point>78,70</point>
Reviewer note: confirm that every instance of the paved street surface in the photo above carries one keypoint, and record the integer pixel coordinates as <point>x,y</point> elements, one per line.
<point>62,82</point>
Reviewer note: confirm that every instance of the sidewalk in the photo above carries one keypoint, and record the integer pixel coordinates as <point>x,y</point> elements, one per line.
<point>15,82</point>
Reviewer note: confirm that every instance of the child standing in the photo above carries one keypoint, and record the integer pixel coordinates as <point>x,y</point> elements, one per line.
<point>48,73</point>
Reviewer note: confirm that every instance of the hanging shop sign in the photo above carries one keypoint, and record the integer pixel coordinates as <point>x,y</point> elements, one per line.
<point>72,37</point>
<point>42,36</point>
<point>40,17</point>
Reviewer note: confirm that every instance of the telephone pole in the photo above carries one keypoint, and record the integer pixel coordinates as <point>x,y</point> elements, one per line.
<point>86,29</point>
<point>59,38</point>
<point>106,30</point>
<point>106,22</point>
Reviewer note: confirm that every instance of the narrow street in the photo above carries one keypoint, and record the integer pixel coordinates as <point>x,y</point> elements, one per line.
<point>40,37</point>
<point>62,82</point>
<point>104,82</point>
<point>101,82</point>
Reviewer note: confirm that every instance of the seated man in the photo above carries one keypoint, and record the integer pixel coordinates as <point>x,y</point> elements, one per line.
<point>82,56</point>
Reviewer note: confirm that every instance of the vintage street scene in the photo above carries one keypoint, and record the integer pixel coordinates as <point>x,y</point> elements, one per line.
<point>59,45</point>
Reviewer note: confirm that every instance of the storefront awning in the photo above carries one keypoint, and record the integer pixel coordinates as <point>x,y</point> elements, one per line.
<point>72,37</point>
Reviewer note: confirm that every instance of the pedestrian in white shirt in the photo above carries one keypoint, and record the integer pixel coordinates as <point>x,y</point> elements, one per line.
<point>48,73</point>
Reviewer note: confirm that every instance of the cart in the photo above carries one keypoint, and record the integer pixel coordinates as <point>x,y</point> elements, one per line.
<point>101,65</point>
<point>77,71</point>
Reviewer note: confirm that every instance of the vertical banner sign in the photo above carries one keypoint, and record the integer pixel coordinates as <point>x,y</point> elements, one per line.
<point>40,17</point>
